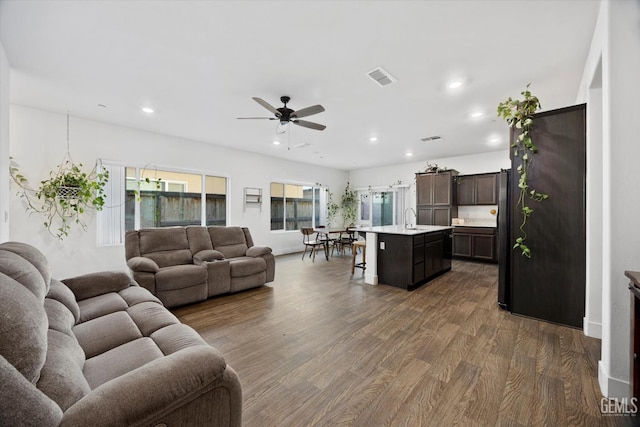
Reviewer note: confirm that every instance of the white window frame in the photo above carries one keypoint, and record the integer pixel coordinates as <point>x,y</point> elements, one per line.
<point>110,222</point>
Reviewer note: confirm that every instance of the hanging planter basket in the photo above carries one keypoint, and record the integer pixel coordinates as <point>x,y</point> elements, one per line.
<point>68,193</point>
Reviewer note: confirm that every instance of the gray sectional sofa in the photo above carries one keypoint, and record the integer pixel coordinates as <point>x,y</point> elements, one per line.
<point>182,265</point>
<point>99,350</point>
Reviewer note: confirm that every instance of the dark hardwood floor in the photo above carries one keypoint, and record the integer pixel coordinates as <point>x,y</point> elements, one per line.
<point>318,347</point>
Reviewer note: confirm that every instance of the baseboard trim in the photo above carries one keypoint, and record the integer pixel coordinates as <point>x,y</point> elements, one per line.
<point>612,387</point>
<point>592,329</point>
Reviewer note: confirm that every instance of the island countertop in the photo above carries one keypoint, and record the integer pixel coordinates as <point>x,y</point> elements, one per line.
<point>398,229</point>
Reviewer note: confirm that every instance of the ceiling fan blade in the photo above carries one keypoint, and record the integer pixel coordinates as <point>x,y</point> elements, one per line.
<point>268,106</point>
<point>315,109</point>
<point>309,125</point>
<point>252,118</point>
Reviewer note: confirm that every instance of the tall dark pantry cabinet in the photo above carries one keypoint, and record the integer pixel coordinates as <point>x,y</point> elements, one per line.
<point>551,285</point>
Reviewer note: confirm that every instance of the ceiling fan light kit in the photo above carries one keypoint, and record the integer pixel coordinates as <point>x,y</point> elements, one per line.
<point>286,115</point>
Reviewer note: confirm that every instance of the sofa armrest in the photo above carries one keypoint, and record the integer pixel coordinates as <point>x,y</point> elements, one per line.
<point>207,255</point>
<point>94,284</point>
<point>256,251</point>
<point>152,393</point>
<point>142,264</point>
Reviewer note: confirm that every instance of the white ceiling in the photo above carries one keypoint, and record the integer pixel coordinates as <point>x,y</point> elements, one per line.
<point>198,63</point>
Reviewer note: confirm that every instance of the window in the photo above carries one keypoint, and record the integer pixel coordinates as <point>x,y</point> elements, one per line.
<point>141,198</point>
<point>169,198</point>
<point>294,206</point>
<point>382,207</point>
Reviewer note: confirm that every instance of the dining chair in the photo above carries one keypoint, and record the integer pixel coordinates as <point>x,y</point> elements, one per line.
<point>312,242</point>
<point>325,236</point>
<point>346,238</point>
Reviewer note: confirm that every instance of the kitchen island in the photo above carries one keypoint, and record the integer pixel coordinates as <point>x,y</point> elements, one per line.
<point>406,257</point>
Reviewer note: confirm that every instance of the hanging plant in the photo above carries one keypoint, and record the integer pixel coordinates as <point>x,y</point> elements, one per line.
<point>349,205</point>
<point>65,196</point>
<point>519,115</point>
<point>332,209</point>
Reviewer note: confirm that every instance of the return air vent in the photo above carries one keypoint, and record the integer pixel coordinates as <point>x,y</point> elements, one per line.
<point>382,77</point>
<point>431,138</point>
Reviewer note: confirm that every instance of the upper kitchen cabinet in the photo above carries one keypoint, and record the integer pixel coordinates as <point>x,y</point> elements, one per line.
<point>435,189</point>
<point>436,197</point>
<point>477,189</point>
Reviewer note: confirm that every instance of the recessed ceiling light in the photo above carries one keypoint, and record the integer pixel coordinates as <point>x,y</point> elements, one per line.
<point>276,142</point>
<point>409,154</point>
<point>147,110</point>
<point>373,139</point>
<point>454,84</point>
<point>494,141</point>
<point>476,114</point>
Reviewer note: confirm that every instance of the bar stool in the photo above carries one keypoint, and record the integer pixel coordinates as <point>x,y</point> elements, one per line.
<point>354,249</point>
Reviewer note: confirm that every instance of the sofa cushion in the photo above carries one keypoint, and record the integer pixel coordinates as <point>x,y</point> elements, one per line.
<point>149,317</point>
<point>171,258</point>
<point>230,241</point>
<point>34,257</point>
<point>136,295</point>
<point>106,332</point>
<point>176,337</point>
<point>247,266</point>
<point>23,327</point>
<point>61,378</point>
<point>100,305</point>
<point>21,400</point>
<point>166,246</point>
<point>256,251</point>
<point>59,316</point>
<point>61,293</point>
<point>199,239</point>
<point>120,360</point>
<point>180,276</point>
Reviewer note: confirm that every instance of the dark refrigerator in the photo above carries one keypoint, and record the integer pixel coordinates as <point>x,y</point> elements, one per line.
<point>504,240</point>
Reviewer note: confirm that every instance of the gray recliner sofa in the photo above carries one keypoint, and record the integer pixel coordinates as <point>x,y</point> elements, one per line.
<point>99,350</point>
<point>182,265</point>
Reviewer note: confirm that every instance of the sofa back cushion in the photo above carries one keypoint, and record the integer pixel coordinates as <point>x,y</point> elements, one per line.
<point>199,239</point>
<point>166,246</point>
<point>23,321</point>
<point>230,241</point>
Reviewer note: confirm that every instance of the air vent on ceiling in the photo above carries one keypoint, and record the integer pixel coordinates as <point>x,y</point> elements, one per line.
<point>382,77</point>
<point>431,138</point>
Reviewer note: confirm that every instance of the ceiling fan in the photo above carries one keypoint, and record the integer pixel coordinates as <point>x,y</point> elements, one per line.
<point>287,115</point>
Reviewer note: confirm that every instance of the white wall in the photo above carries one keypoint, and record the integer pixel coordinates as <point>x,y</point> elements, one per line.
<point>614,179</point>
<point>38,143</point>
<point>4,145</point>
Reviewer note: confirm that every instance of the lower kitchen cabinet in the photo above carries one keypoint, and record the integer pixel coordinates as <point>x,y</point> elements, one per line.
<point>476,243</point>
<point>410,261</point>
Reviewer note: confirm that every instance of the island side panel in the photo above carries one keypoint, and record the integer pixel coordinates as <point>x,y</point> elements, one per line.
<point>371,267</point>
<point>395,260</point>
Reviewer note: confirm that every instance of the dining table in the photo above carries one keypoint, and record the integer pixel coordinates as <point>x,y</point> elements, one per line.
<point>323,234</point>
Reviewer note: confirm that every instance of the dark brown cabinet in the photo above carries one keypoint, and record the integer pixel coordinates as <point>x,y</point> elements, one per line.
<point>477,189</point>
<point>434,215</point>
<point>410,261</point>
<point>475,242</point>
<point>435,198</point>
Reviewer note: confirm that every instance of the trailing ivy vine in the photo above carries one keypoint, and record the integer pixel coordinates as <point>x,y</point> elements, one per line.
<point>519,115</point>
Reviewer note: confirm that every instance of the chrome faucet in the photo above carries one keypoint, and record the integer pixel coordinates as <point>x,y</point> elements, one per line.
<point>415,216</point>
